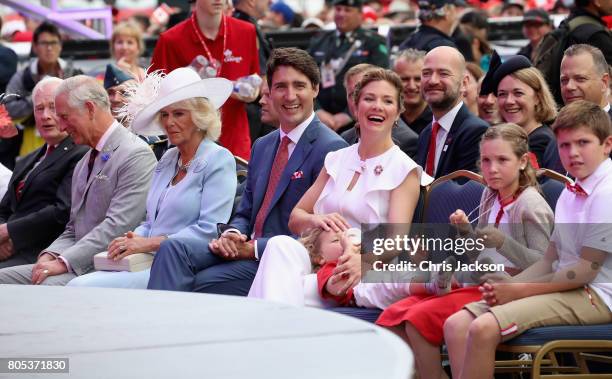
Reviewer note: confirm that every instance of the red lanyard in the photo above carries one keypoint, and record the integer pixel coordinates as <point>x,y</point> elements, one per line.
<point>503,204</point>
<point>198,33</point>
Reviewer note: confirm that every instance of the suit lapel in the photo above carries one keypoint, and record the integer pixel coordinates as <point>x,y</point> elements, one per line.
<point>450,136</point>
<point>62,149</point>
<point>22,170</point>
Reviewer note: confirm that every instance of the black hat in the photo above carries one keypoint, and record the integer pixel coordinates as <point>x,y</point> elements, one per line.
<point>349,3</point>
<point>513,3</point>
<point>536,15</point>
<point>432,5</point>
<point>488,86</point>
<point>114,76</point>
<point>517,62</point>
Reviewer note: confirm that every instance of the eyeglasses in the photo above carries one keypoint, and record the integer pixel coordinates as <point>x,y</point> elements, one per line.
<point>48,43</point>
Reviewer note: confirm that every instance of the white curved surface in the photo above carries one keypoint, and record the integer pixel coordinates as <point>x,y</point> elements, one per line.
<point>110,333</point>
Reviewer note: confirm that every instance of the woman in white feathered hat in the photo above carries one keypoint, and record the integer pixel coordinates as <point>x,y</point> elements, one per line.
<point>194,183</point>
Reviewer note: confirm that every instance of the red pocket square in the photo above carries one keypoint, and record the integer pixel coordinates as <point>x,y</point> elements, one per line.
<point>297,175</point>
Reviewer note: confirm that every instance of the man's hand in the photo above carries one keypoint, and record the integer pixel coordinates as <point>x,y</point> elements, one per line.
<point>3,232</point>
<point>43,270</point>
<point>327,118</point>
<point>233,246</point>
<point>6,250</point>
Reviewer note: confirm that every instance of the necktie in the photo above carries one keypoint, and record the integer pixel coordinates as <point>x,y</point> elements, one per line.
<point>90,163</point>
<point>280,161</point>
<point>50,149</point>
<point>576,189</point>
<point>21,184</point>
<point>431,152</point>
<point>341,39</point>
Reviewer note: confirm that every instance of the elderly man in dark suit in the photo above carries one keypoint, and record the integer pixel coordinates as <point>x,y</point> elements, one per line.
<point>36,207</point>
<point>451,141</point>
<point>109,187</point>
<point>283,165</point>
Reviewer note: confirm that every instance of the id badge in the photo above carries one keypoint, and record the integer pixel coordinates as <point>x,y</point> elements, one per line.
<point>328,77</point>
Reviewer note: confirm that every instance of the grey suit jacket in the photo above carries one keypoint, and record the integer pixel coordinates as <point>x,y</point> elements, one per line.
<point>110,203</point>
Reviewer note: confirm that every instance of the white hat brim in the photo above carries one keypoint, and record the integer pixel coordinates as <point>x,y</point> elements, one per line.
<point>215,90</point>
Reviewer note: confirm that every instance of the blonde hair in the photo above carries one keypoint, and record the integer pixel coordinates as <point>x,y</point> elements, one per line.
<point>310,240</point>
<point>546,108</point>
<point>128,29</point>
<point>519,142</point>
<point>203,115</point>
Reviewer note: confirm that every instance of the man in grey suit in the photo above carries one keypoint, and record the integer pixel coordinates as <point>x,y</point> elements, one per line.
<point>109,186</point>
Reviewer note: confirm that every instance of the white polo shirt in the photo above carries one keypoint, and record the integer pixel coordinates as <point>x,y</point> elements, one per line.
<point>586,221</point>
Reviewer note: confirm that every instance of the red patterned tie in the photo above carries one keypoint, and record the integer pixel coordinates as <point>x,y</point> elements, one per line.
<point>431,152</point>
<point>576,189</point>
<point>280,161</point>
<point>21,184</point>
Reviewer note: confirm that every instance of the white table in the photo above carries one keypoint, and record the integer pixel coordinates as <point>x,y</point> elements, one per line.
<point>111,333</point>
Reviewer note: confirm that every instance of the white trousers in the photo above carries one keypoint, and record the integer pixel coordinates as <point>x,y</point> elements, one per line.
<point>285,276</point>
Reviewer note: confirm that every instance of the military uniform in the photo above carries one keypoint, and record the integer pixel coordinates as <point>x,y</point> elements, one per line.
<point>427,38</point>
<point>335,53</point>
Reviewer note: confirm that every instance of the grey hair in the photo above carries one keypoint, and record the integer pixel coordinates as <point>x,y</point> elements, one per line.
<point>46,81</point>
<point>599,61</point>
<point>411,55</point>
<point>203,115</point>
<point>82,88</point>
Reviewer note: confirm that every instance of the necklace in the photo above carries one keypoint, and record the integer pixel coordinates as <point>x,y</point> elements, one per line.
<point>183,167</point>
<point>214,62</point>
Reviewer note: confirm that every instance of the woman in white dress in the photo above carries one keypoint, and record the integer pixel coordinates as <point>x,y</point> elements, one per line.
<point>370,182</point>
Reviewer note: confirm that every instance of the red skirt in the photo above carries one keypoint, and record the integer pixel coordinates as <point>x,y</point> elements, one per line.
<point>428,313</point>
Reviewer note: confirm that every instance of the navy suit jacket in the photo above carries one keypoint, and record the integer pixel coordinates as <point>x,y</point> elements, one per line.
<point>41,214</point>
<point>301,171</point>
<point>461,150</point>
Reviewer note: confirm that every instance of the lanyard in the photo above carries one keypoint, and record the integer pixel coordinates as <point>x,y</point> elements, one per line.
<point>216,63</point>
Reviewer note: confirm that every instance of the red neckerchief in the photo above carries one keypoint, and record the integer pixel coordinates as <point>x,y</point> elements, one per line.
<point>201,37</point>
<point>504,203</point>
<point>576,189</point>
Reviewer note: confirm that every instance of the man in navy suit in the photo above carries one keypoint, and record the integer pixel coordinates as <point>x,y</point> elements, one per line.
<point>36,206</point>
<point>451,141</point>
<point>283,165</point>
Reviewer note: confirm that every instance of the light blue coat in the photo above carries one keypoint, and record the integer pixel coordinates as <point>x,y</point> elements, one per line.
<point>197,203</point>
<point>191,209</point>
